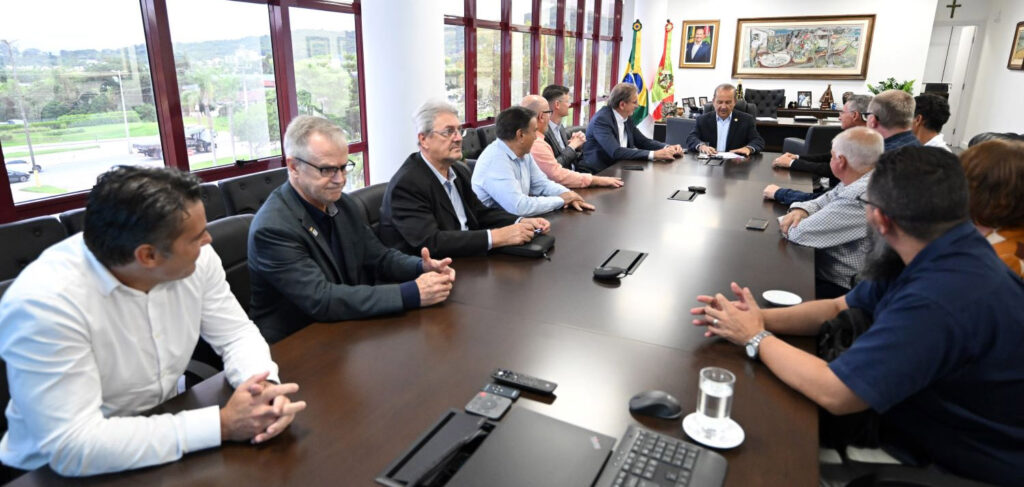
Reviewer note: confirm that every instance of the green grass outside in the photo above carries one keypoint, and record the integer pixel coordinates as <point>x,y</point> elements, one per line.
<point>11,155</point>
<point>46,189</point>
<point>96,132</point>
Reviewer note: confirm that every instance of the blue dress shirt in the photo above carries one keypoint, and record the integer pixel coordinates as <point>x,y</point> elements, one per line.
<point>453,195</point>
<point>723,132</point>
<point>515,183</point>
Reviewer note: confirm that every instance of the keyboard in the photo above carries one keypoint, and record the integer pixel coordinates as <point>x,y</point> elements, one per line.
<point>644,458</point>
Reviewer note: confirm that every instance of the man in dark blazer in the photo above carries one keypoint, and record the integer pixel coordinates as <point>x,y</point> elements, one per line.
<point>702,53</point>
<point>313,258</point>
<point>725,129</point>
<point>568,150</point>
<point>430,203</point>
<point>612,136</point>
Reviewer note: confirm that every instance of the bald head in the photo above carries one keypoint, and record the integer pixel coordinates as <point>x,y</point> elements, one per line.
<point>541,107</point>
<point>860,146</point>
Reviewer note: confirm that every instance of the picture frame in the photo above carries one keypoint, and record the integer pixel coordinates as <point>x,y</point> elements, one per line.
<point>690,103</point>
<point>703,100</point>
<point>705,54</point>
<point>803,99</point>
<point>815,47</point>
<point>1016,60</point>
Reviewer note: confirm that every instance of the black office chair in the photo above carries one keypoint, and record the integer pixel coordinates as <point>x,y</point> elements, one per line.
<point>575,128</point>
<point>245,194</point>
<point>213,201</point>
<point>818,140</point>
<point>22,242</point>
<point>371,198</point>
<point>487,135</point>
<point>677,129</point>
<point>471,147</point>
<point>73,220</point>
<point>767,101</point>
<point>469,164</point>
<point>741,105</point>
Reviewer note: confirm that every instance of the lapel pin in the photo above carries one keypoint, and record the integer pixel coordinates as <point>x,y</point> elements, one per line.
<point>313,231</point>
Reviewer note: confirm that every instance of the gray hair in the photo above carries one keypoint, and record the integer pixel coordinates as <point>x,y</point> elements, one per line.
<point>296,137</point>
<point>723,86</point>
<point>861,146</point>
<point>860,103</point>
<point>428,112</point>
<point>894,109</point>
<point>620,93</point>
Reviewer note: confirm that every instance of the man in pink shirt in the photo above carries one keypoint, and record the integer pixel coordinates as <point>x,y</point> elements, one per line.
<point>545,157</point>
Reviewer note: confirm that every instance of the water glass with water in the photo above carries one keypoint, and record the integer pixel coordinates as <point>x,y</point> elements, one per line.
<point>714,402</point>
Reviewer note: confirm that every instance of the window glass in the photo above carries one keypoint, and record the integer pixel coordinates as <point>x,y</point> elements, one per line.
<point>587,61</point>
<point>455,67</point>
<point>607,17</point>
<point>548,13</point>
<point>547,61</point>
<point>522,12</point>
<point>588,19</point>
<point>355,179</point>
<point>569,65</point>
<point>488,10</point>
<point>520,80</point>
<point>604,69</point>
<point>570,15</point>
<point>488,72</point>
<point>454,8</point>
<point>75,98</point>
<point>226,79</point>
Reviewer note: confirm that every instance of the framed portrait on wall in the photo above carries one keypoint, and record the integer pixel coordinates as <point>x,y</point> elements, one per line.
<point>833,47</point>
<point>1017,48</point>
<point>699,44</point>
<point>803,99</point>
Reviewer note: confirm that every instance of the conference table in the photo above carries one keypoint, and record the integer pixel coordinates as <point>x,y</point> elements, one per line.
<point>373,386</point>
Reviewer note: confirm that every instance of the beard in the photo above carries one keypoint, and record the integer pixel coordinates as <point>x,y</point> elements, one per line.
<point>882,261</point>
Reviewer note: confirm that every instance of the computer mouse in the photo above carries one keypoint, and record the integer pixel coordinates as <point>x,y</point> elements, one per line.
<point>658,404</point>
<point>608,273</point>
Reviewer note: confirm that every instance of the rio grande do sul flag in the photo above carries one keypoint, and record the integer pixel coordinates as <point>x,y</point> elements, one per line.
<point>634,76</point>
<point>662,86</point>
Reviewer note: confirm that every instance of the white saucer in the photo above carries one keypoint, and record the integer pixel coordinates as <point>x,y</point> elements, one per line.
<point>730,436</point>
<point>781,298</point>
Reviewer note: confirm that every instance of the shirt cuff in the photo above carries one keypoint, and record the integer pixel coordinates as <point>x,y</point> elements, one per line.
<point>419,267</point>
<point>650,155</point>
<point>490,242</point>
<point>410,294</point>
<point>201,428</point>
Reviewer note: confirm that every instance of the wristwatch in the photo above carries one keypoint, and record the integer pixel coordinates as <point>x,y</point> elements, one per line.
<point>754,344</point>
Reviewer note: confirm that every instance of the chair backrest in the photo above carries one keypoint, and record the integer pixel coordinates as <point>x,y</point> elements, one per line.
<point>677,129</point>
<point>22,242</point>
<point>245,194</point>
<point>230,240</point>
<point>487,135</point>
<point>73,220</point>
<point>575,128</point>
<point>371,198</point>
<point>470,164</point>
<point>819,138</point>
<point>213,201</point>
<point>741,105</point>
<point>471,147</point>
<point>768,101</point>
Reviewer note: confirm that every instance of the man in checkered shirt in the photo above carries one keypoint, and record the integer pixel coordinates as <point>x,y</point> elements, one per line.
<point>833,223</point>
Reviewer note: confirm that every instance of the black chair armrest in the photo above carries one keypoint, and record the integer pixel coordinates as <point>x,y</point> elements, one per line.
<point>907,476</point>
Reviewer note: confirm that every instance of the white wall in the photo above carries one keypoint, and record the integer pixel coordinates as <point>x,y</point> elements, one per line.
<point>899,46</point>
<point>997,103</point>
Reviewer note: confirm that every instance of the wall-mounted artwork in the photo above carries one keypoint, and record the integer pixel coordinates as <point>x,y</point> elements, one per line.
<point>1017,48</point>
<point>699,44</point>
<point>835,47</point>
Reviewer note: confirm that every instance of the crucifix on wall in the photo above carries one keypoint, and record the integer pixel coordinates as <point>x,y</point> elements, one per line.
<point>952,7</point>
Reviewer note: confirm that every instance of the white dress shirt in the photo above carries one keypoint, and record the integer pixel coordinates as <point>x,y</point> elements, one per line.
<point>620,121</point>
<point>85,354</point>
<point>938,141</point>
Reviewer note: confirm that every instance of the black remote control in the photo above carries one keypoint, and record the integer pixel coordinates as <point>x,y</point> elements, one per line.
<point>524,381</point>
<point>488,405</point>
<point>503,391</point>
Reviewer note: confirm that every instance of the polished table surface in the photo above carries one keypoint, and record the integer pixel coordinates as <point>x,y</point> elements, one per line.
<point>374,385</point>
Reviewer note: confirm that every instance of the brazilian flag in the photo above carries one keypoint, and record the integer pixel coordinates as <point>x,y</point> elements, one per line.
<point>633,75</point>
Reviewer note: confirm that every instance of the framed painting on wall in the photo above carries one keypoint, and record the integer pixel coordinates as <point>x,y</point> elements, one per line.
<point>699,43</point>
<point>1017,48</point>
<point>833,47</point>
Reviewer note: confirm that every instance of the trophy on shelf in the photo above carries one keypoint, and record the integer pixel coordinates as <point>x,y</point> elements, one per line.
<point>826,99</point>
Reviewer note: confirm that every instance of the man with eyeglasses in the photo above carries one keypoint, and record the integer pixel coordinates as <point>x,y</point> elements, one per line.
<point>312,257</point>
<point>430,201</point>
<point>852,115</point>
<point>568,150</point>
<point>891,113</point>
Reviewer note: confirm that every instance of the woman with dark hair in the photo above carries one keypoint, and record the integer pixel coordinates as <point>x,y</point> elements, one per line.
<point>995,178</point>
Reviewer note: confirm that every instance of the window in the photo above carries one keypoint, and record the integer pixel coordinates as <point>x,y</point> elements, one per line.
<point>488,73</point>
<point>520,83</point>
<point>455,67</point>
<point>75,99</point>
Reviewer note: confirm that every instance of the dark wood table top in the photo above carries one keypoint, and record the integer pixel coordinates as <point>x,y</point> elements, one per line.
<point>813,112</point>
<point>373,386</point>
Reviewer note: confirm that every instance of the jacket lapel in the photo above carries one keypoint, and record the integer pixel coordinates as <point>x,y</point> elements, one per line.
<point>733,127</point>
<point>309,226</point>
<point>437,188</point>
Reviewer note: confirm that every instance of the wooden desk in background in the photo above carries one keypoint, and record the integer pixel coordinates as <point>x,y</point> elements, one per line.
<point>374,385</point>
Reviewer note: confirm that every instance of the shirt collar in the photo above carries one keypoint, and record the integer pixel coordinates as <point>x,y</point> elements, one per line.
<point>332,209</point>
<point>619,118</point>
<point>440,178</point>
<point>855,188</point>
<point>508,151</point>
<point>107,281</point>
<point>726,119</point>
<point>951,240</point>
<point>554,125</point>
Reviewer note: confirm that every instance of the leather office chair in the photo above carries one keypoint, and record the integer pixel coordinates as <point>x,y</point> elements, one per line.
<point>487,135</point>
<point>245,194</point>
<point>469,164</point>
<point>768,101</point>
<point>677,129</point>
<point>741,105</point>
<point>471,147</point>
<point>21,242</point>
<point>213,201</point>
<point>818,140</point>
<point>575,128</point>
<point>371,198</point>
<point>73,220</point>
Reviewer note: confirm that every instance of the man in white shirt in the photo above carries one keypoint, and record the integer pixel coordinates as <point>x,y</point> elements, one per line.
<point>930,114</point>
<point>101,326</point>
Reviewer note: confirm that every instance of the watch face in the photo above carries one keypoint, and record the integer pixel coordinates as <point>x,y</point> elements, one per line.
<point>751,350</point>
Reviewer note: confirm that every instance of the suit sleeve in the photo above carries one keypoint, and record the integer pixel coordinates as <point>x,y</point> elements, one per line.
<point>754,140</point>
<point>608,141</point>
<point>642,142</point>
<point>389,263</point>
<point>697,136</point>
<point>413,216</point>
<point>808,164</point>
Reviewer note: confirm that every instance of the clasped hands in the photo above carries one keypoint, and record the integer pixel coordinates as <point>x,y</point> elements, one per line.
<point>435,284</point>
<point>736,321</point>
<point>258,410</point>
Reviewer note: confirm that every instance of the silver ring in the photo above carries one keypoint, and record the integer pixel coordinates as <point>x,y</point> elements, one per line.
<point>714,322</point>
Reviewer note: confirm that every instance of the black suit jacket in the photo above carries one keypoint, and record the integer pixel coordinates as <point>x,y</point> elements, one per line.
<point>416,213</point>
<point>296,279</point>
<point>742,132</point>
<point>566,157</point>
<point>602,148</point>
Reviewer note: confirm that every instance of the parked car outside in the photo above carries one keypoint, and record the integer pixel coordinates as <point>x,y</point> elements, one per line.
<point>17,176</point>
<point>22,165</point>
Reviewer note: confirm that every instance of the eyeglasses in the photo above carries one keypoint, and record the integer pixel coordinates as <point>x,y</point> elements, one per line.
<point>864,200</point>
<point>447,133</point>
<point>329,171</point>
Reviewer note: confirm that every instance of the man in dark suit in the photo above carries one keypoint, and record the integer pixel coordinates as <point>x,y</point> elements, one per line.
<point>312,257</point>
<point>698,51</point>
<point>430,202</point>
<point>568,150</point>
<point>725,129</point>
<point>612,136</point>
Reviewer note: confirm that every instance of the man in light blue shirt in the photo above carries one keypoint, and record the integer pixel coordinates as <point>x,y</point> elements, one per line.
<point>506,175</point>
